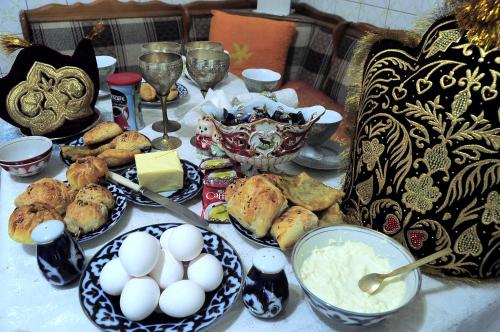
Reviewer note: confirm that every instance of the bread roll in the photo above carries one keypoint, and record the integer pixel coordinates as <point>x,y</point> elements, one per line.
<point>102,132</point>
<point>96,193</point>
<point>291,225</point>
<point>52,192</point>
<point>84,216</point>
<point>147,92</point>
<point>118,157</point>
<point>256,204</point>
<point>85,171</point>
<point>25,218</point>
<point>131,140</point>
<point>331,216</point>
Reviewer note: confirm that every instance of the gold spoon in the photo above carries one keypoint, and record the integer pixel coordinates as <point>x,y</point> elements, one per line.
<point>370,283</point>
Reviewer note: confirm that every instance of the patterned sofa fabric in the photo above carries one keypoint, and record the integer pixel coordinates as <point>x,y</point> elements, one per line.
<point>337,80</point>
<point>121,39</point>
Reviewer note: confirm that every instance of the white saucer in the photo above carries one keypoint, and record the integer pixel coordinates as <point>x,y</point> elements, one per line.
<point>324,157</point>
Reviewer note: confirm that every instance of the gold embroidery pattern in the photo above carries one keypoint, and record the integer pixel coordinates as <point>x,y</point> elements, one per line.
<point>491,212</point>
<point>371,152</point>
<point>425,165</point>
<point>50,96</point>
<point>420,193</point>
<point>444,40</point>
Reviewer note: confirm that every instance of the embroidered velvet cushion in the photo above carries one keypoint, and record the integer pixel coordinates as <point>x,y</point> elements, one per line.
<point>425,162</point>
<point>252,42</point>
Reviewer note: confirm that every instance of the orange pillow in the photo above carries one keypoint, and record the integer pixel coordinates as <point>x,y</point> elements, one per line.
<point>252,42</point>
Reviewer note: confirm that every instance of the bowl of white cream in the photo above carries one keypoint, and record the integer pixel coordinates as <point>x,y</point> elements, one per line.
<point>329,261</point>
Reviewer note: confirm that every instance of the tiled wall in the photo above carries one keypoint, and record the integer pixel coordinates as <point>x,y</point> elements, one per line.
<point>396,14</point>
<point>393,14</point>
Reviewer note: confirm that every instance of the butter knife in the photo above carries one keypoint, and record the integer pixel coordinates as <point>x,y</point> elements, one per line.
<point>176,208</point>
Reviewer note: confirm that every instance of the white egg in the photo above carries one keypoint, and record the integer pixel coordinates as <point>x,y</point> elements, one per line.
<point>185,243</point>
<point>206,271</point>
<point>139,253</point>
<point>139,298</point>
<point>182,298</point>
<point>165,237</point>
<point>167,270</point>
<point>113,277</point>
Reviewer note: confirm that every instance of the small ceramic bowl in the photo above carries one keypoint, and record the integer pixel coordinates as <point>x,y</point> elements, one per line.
<point>259,80</point>
<point>25,156</point>
<point>106,65</point>
<point>385,246</point>
<point>324,128</point>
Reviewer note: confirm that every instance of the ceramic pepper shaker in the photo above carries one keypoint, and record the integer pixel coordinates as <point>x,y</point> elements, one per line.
<point>59,256</point>
<point>265,290</point>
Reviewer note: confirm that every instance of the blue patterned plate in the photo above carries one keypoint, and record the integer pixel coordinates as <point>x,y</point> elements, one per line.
<point>104,310</point>
<point>183,91</point>
<point>267,240</point>
<point>192,186</point>
<point>114,215</point>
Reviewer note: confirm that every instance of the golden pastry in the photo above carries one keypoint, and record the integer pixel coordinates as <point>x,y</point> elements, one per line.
<point>24,218</point>
<point>52,192</point>
<point>102,132</point>
<point>233,188</point>
<point>147,92</point>
<point>96,193</point>
<point>75,152</point>
<point>118,157</point>
<point>173,93</point>
<point>291,225</point>
<point>308,192</point>
<point>85,171</point>
<point>256,204</point>
<point>331,216</point>
<point>84,216</point>
<point>131,140</point>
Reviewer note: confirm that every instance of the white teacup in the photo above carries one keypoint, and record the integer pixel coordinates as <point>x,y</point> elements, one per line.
<point>106,65</point>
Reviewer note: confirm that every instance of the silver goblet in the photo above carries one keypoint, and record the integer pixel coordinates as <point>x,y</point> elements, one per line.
<point>165,47</point>
<point>161,70</point>
<point>207,45</point>
<point>207,67</point>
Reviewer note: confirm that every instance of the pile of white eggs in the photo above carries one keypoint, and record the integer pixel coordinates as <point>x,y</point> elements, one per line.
<point>149,273</point>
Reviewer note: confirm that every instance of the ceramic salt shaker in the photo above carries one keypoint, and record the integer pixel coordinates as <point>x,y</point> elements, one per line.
<point>265,290</point>
<point>59,256</point>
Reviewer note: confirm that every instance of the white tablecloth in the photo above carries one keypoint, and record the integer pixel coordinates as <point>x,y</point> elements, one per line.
<point>29,303</point>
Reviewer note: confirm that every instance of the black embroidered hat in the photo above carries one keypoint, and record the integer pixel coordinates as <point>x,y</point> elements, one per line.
<point>48,93</point>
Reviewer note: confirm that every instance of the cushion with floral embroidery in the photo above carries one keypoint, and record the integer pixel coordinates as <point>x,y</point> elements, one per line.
<point>425,161</point>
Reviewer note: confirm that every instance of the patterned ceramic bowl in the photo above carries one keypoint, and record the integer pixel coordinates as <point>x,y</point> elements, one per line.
<point>25,156</point>
<point>391,250</point>
<point>264,143</point>
<point>259,80</point>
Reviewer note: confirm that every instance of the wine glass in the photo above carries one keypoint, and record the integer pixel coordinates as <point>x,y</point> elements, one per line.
<point>165,47</point>
<point>203,44</point>
<point>161,70</point>
<point>207,67</point>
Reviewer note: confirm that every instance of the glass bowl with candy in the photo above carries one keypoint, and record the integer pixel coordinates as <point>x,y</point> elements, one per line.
<point>262,133</point>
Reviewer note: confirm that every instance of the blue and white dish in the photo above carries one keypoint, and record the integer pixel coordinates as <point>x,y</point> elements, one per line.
<point>114,215</point>
<point>104,310</point>
<point>193,182</point>
<point>79,142</point>
<point>183,91</point>
<point>267,240</point>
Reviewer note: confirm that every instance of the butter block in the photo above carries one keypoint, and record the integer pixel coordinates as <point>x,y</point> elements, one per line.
<point>160,171</point>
